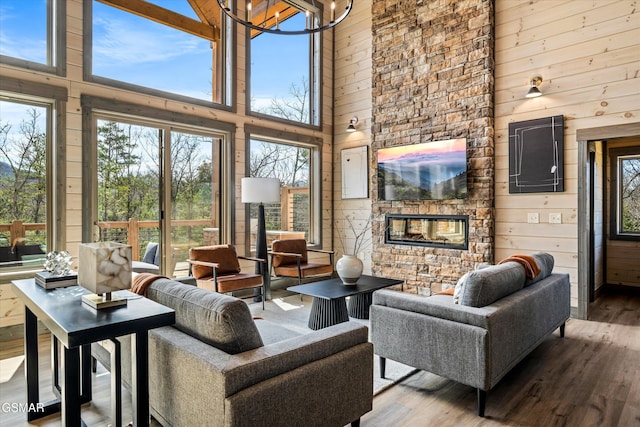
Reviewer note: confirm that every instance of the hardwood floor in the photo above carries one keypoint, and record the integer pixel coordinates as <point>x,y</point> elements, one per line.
<point>589,378</point>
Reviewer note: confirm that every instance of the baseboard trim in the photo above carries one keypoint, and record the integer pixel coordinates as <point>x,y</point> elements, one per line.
<point>617,289</point>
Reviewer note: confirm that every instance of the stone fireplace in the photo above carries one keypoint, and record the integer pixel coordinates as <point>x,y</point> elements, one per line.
<point>433,80</point>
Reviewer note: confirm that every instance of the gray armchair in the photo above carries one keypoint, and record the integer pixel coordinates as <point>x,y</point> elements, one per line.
<point>217,366</point>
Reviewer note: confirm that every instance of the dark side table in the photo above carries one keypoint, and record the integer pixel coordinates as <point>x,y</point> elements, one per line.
<point>329,306</point>
<point>76,326</point>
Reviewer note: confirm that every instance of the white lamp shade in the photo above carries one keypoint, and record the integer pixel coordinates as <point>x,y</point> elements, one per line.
<point>104,266</point>
<point>260,190</point>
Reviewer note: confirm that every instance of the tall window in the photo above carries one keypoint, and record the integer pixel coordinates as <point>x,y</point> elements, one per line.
<point>294,165</point>
<point>28,33</point>
<point>133,156</point>
<point>24,140</point>
<point>625,193</point>
<point>136,50</point>
<point>283,72</point>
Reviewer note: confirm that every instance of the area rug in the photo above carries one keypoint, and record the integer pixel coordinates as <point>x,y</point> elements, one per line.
<point>8,367</point>
<point>292,311</point>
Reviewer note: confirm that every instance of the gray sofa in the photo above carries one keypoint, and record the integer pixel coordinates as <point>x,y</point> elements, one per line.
<point>500,317</point>
<point>217,366</point>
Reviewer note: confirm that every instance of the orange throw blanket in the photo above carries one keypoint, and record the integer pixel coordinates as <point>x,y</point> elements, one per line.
<point>528,262</point>
<point>141,281</point>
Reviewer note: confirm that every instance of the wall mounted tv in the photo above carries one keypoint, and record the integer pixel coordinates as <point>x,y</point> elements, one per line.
<point>428,171</point>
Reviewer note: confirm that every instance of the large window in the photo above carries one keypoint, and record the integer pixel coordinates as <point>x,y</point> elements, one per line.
<point>133,156</point>
<point>25,138</point>
<point>128,49</point>
<point>295,165</point>
<point>283,72</point>
<point>625,193</point>
<point>30,33</point>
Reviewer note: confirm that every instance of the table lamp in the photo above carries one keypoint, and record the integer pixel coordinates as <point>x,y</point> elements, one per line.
<point>261,191</point>
<point>104,267</point>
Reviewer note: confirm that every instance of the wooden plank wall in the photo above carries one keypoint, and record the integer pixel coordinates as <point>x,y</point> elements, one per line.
<point>587,54</point>
<point>352,86</point>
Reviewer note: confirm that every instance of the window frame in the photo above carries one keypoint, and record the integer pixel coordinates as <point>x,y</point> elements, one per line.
<point>315,82</point>
<point>223,59</point>
<point>94,109</point>
<point>54,100</point>
<point>615,213</point>
<point>56,43</point>
<point>314,144</point>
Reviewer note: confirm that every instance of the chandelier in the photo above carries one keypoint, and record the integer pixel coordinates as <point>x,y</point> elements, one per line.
<point>268,15</point>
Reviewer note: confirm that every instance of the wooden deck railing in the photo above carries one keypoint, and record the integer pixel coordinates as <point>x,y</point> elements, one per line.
<point>18,230</point>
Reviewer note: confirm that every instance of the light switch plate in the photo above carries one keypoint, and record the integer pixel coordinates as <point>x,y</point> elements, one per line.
<point>555,218</point>
<point>533,218</point>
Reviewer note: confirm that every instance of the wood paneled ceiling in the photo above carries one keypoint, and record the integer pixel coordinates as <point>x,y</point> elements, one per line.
<point>209,12</point>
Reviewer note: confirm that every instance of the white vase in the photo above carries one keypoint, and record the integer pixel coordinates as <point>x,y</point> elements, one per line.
<point>349,268</point>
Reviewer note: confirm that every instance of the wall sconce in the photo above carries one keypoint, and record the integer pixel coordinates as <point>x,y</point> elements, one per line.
<point>534,92</point>
<point>352,124</point>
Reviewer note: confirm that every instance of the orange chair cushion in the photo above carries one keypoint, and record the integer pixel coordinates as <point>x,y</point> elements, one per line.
<point>307,270</point>
<point>224,255</point>
<point>296,246</point>
<point>231,282</point>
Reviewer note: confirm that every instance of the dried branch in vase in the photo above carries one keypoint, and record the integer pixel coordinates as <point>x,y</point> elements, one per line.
<point>359,230</point>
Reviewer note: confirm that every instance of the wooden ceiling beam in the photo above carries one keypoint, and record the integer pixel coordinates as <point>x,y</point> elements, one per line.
<point>166,17</point>
<point>207,10</point>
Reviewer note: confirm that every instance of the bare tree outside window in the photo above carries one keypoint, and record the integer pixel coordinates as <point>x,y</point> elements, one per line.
<point>23,142</point>
<point>129,164</point>
<point>630,193</point>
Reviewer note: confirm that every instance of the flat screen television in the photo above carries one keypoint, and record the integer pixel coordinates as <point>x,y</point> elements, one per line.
<point>434,170</point>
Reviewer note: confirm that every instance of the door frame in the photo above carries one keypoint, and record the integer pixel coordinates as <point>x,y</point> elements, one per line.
<point>585,208</point>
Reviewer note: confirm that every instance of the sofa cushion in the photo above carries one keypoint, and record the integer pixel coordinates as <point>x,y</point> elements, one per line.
<point>545,263</point>
<point>219,320</point>
<point>485,286</point>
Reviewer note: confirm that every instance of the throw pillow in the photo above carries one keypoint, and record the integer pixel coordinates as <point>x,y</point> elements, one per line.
<point>545,263</point>
<point>457,291</point>
<point>151,253</point>
<point>483,287</point>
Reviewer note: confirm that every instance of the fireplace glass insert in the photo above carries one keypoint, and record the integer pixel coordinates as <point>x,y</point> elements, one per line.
<point>440,231</point>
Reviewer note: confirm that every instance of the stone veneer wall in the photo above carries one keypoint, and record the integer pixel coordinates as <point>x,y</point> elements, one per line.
<point>433,80</point>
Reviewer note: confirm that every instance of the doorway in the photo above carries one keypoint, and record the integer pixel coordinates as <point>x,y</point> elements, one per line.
<point>606,250</point>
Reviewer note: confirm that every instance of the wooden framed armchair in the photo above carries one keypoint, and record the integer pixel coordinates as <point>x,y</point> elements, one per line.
<point>217,269</point>
<point>289,258</point>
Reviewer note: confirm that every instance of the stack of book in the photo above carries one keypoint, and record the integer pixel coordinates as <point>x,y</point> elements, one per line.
<point>51,281</point>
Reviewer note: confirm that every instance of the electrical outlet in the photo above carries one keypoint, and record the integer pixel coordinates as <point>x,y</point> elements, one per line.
<point>533,218</point>
<point>555,218</point>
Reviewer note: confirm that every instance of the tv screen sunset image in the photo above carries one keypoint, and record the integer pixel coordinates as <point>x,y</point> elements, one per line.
<point>428,171</point>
